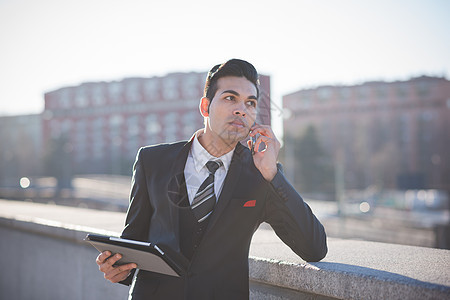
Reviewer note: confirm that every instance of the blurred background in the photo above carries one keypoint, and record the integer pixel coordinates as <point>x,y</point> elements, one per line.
<point>357,91</point>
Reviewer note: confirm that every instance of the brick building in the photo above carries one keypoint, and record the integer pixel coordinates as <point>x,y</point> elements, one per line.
<point>102,124</point>
<point>388,134</point>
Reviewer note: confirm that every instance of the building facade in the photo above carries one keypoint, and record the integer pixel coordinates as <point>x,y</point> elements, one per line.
<point>385,134</point>
<point>20,148</point>
<point>103,124</point>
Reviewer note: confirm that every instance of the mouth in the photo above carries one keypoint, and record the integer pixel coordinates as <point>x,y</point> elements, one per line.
<point>238,124</point>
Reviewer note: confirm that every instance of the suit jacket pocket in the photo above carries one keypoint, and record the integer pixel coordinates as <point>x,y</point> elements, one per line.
<point>246,210</point>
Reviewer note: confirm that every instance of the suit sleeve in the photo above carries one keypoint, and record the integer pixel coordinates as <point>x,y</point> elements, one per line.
<point>137,221</point>
<point>293,221</point>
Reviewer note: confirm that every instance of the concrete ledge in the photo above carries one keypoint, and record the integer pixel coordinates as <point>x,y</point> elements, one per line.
<point>352,269</point>
<point>343,281</point>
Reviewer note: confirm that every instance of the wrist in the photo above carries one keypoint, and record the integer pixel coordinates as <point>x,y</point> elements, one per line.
<point>269,173</point>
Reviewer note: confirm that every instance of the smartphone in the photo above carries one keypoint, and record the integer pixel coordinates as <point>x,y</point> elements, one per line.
<point>253,138</point>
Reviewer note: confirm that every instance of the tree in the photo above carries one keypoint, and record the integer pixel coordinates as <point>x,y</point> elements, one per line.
<point>315,171</point>
<point>57,161</point>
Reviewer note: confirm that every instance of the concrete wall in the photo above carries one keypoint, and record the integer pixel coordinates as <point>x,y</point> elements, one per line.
<point>51,262</point>
<point>44,257</point>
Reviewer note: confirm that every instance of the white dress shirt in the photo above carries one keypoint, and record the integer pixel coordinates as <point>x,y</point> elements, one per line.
<point>195,171</point>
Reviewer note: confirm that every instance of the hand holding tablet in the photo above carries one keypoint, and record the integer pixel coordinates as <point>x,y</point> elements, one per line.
<point>146,256</point>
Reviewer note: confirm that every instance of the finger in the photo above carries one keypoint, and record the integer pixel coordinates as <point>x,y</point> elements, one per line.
<point>268,134</point>
<point>259,140</point>
<point>249,144</point>
<point>264,130</point>
<point>270,143</point>
<point>119,277</point>
<point>119,271</point>
<point>107,265</point>
<point>113,259</point>
<point>263,139</point>
<point>102,257</point>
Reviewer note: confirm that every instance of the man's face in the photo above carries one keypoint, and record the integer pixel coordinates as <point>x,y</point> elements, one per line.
<point>233,109</point>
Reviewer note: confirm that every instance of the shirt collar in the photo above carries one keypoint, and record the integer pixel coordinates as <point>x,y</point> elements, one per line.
<point>201,156</point>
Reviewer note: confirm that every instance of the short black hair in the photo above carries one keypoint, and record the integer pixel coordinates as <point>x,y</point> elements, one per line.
<point>233,67</point>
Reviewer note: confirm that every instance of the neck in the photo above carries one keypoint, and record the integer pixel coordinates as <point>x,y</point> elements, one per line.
<point>215,146</point>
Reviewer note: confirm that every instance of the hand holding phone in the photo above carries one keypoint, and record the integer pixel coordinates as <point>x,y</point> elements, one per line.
<point>264,147</point>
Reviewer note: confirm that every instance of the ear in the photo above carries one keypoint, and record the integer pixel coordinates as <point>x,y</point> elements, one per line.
<point>204,104</point>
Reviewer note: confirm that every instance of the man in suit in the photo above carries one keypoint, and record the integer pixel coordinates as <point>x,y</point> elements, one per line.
<point>204,198</point>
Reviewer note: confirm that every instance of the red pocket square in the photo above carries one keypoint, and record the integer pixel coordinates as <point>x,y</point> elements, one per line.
<point>250,203</point>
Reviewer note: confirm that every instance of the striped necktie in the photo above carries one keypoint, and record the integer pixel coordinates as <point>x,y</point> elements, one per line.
<point>205,199</point>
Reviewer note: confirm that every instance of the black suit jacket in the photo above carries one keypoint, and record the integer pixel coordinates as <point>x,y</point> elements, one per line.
<point>218,268</point>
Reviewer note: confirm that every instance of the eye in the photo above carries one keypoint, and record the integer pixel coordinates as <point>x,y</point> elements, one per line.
<point>251,103</point>
<point>230,98</point>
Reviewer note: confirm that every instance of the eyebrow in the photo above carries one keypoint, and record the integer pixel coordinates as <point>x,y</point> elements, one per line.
<point>237,94</point>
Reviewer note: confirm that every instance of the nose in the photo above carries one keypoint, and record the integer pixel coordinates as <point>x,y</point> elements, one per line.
<point>240,111</point>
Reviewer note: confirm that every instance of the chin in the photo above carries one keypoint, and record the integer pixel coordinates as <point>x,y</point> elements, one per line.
<point>234,137</point>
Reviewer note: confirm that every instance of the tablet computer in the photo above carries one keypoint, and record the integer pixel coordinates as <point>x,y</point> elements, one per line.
<point>147,256</point>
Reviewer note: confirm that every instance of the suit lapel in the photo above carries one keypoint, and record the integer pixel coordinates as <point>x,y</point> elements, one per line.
<point>176,189</point>
<point>229,185</point>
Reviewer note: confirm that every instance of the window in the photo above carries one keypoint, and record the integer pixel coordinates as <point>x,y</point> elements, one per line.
<point>151,88</point>
<point>425,126</point>
<point>405,136</point>
<point>170,126</point>
<point>363,93</point>
<point>381,92</point>
<point>64,98</point>
<point>152,125</point>
<point>345,94</point>
<point>97,137</point>
<point>189,121</point>
<point>402,91</point>
<point>66,127</point>
<point>98,97</point>
<point>306,101</point>
<point>132,143</point>
<point>133,125</point>
<point>152,129</point>
<point>190,86</point>
<point>55,130</point>
<point>115,91</point>
<point>80,140</point>
<point>324,93</point>
<point>81,97</point>
<point>170,88</point>
<point>422,88</point>
<point>115,121</point>
<point>132,91</point>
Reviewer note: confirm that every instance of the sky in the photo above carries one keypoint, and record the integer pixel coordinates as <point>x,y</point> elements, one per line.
<point>48,44</point>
